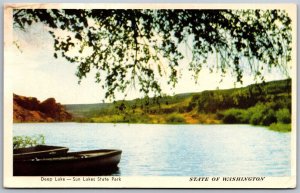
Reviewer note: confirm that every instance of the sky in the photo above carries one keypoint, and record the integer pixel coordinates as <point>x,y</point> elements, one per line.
<point>36,73</point>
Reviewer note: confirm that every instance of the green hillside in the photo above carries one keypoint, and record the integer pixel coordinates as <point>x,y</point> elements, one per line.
<point>259,104</point>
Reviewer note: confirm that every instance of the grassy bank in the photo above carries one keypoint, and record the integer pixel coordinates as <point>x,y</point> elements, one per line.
<point>173,118</point>
<point>267,104</point>
<point>281,127</point>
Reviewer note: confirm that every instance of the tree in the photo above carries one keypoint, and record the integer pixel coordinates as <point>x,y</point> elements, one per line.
<point>135,47</point>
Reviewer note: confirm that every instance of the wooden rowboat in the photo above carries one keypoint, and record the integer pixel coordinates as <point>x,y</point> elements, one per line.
<point>39,151</point>
<point>94,162</point>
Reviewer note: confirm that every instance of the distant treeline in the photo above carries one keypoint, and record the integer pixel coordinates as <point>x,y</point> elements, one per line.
<point>266,104</point>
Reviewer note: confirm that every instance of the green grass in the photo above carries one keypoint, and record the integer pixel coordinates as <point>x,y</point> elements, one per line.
<point>175,119</point>
<point>280,127</point>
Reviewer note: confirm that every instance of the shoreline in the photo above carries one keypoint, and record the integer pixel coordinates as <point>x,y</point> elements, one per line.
<point>278,127</point>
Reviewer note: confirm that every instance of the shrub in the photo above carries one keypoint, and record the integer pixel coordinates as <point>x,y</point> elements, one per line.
<point>283,116</point>
<point>26,141</point>
<point>262,114</point>
<point>138,118</point>
<point>175,118</point>
<point>268,117</point>
<point>234,116</point>
<point>256,118</point>
<point>255,114</point>
<point>230,118</point>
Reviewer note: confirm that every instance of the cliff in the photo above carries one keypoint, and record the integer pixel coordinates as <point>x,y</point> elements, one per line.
<point>29,109</point>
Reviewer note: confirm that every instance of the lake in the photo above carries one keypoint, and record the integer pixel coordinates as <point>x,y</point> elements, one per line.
<point>176,150</point>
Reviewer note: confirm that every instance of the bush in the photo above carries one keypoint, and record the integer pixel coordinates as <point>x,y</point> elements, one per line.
<point>283,116</point>
<point>262,114</point>
<point>256,118</point>
<point>175,118</point>
<point>138,118</point>
<point>235,116</point>
<point>230,118</point>
<point>269,117</point>
<point>26,141</point>
<point>256,114</point>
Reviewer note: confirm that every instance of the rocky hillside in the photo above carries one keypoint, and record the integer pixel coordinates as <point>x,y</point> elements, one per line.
<point>29,109</point>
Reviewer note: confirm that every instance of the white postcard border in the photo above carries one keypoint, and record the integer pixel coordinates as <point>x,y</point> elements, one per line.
<point>139,181</point>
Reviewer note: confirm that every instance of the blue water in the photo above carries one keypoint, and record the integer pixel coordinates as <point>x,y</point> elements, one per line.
<point>176,150</point>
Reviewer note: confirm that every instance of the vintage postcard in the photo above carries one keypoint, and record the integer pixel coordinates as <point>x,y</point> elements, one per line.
<point>150,95</point>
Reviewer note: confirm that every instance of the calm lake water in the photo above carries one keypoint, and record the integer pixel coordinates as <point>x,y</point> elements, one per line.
<point>176,150</point>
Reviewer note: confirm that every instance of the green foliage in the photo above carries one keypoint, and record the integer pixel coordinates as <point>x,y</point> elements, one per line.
<point>135,47</point>
<point>264,114</point>
<point>256,118</point>
<point>283,116</point>
<point>265,104</point>
<point>275,93</point>
<point>175,118</point>
<point>260,114</point>
<point>233,116</point>
<point>268,117</point>
<point>27,141</point>
<point>260,104</point>
<point>281,127</point>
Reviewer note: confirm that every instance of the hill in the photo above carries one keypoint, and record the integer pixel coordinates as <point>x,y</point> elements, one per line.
<point>261,104</point>
<point>29,109</point>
